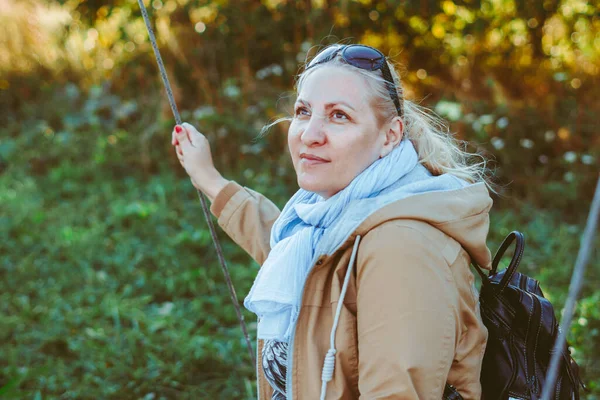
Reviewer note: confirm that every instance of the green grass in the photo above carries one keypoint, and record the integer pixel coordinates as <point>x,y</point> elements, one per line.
<point>109,284</point>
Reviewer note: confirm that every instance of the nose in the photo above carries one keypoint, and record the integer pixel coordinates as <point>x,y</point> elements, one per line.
<point>313,134</point>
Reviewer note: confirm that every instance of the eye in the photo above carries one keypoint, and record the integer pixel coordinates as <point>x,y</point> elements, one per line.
<point>337,114</point>
<point>301,111</point>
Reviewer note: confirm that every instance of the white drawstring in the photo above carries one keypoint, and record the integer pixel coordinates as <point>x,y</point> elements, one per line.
<point>329,363</point>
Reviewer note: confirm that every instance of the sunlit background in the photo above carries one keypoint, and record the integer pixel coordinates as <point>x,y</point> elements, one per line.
<point>109,284</point>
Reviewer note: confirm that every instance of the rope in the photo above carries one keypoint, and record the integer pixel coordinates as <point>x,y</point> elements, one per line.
<point>205,209</point>
<point>576,280</point>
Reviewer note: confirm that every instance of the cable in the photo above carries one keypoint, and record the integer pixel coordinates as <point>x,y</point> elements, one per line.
<point>205,209</point>
<point>329,363</point>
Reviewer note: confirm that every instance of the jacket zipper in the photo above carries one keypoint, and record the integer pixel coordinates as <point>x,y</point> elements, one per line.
<point>497,315</point>
<point>513,353</point>
<point>567,366</point>
<point>290,357</point>
<point>523,283</point>
<point>532,343</point>
<point>258,360</point>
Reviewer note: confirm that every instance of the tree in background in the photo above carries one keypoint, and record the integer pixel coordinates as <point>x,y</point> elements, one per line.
<point>95,255</point>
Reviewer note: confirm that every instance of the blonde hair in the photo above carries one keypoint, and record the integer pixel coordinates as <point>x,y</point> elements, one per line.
<point>438,150</point>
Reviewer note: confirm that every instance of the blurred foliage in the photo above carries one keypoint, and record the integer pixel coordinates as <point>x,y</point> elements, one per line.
<point>109,286</point>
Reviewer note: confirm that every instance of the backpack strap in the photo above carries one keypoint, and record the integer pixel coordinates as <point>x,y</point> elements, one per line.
<point>514,262</point>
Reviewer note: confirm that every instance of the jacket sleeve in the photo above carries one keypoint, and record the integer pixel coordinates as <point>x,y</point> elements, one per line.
<point>247,217</point>
<point>407,323</point>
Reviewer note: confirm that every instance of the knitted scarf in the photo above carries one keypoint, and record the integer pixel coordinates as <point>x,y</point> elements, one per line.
<point>276,293</point>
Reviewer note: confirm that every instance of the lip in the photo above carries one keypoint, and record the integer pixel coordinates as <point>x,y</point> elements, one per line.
<point>312,159</point>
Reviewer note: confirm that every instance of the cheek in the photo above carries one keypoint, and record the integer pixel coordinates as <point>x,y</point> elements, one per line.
<point>293,139</point>
<point>356,157</point>
<point>358,150</point>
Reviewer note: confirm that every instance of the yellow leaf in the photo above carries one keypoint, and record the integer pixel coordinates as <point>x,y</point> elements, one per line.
<point>449,7</point>
<point>438,31</point>
<point>564,133</point>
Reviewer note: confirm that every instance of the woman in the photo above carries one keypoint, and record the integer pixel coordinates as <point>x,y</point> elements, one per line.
<point>364,289</point>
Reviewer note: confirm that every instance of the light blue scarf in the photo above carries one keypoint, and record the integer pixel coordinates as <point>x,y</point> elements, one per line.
<point>276,293</point>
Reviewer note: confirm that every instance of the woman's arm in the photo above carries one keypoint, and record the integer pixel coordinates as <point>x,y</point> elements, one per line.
<point>406,315</point>
<point>247,217</point>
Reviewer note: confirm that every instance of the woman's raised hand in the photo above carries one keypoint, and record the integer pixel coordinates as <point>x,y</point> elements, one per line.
<point>193,151</point>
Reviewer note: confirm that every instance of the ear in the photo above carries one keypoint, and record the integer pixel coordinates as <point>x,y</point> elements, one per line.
<point>393,135</point>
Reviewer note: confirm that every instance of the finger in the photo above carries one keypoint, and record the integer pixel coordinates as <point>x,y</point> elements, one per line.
<point>179,157</point>
<point>181,135</point>
<point>186,128</point>
<point>174,141</point>
<point>189,133</point>
<point>192,134</point>
<point>179,150</point>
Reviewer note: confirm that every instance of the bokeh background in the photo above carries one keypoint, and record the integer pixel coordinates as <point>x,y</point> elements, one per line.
<point>109,285</point>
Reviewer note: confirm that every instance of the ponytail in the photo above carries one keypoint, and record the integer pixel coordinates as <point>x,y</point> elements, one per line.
<point>437,148</point>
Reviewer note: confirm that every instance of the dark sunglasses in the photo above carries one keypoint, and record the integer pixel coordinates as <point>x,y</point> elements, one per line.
<point>363,57</point>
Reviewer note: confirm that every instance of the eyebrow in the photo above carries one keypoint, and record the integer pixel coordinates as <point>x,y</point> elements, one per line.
<point>328,105</point>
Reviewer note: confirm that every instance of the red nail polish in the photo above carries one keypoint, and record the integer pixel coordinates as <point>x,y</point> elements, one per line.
<point>178,129</point>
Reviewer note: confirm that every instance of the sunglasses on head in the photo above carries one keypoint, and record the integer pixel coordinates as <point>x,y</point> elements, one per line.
<point>363,57</point>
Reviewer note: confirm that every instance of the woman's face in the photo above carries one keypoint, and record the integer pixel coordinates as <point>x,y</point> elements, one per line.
<point>334,135</point>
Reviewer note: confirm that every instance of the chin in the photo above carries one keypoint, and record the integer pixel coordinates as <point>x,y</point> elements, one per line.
<point>315,187</point>
<point>319,188</point>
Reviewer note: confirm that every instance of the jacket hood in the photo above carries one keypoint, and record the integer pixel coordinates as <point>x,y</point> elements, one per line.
<point>452,205</point>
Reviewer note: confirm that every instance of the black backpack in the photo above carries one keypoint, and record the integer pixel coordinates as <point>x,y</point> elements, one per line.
<point>522,330</point>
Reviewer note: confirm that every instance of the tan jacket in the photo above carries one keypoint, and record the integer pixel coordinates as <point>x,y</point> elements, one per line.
<point>410,319</point>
